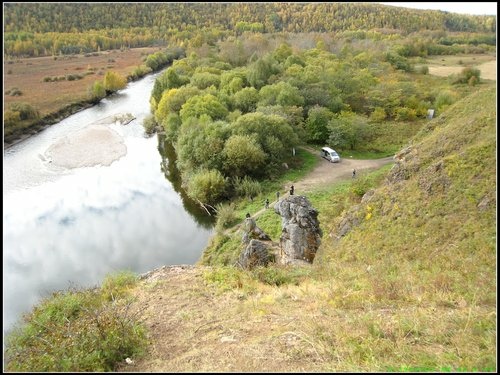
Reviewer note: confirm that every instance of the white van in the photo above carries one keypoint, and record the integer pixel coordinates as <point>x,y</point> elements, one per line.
<point>330,155</point>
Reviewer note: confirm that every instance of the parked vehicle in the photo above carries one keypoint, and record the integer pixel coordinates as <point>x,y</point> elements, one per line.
<point>330,155</point>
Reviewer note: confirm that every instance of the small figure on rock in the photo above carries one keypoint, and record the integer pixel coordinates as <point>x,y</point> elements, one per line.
<point>292,189</point>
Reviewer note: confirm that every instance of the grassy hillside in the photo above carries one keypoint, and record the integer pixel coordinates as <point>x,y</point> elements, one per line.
<point>417,269</point>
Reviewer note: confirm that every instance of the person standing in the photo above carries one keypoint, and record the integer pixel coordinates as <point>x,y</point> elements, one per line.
<point>292,190</point>
<point>353,173</point>
<point>277,196</point>
<point>267,203</point>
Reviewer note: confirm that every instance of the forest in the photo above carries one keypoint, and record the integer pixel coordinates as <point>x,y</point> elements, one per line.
<point>33,29</point>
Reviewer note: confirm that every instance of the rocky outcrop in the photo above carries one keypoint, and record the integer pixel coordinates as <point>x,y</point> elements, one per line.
<point>252,231</point>
<point>257,253</point>
<point>300,234</point>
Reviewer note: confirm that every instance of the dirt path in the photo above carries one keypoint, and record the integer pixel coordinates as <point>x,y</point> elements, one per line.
<point>326,173</point>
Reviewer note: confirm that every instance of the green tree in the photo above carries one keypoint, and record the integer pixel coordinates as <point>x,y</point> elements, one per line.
<point>243,156</point>
<point>199,105</point>
<point>317,124</point>
<point>246,99</point>
<point>347,130</point>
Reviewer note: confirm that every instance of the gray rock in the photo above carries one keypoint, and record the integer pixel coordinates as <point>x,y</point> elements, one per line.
<point>300,234</point>
<point>255,254</point>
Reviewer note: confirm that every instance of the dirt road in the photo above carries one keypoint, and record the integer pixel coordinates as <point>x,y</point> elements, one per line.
<point>327,173</point>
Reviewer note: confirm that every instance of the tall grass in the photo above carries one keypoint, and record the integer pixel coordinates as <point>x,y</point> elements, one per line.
<point>78,331</point>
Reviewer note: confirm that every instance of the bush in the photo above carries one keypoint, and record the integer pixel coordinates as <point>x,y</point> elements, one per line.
<point>25,110</point>
<point>149,124</point>
<point>246,187</point>
<point>466,75</point>
<point>424,69</point>
<point>276,275</point>
<point>405,114</point>
<point>226,216</point>
<point>14,92</point>
<point>207,186</point>
<point>444,99</point>
<point>11,117</point>
<point>116,285</point>
<point>97,91</point>
<point>114,81</point>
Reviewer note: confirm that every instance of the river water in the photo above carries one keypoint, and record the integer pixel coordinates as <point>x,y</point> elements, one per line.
<point>66,228</point>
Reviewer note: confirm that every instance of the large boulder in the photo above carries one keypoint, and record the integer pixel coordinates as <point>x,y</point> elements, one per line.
<point>257,253</point>
<point>300,234</point>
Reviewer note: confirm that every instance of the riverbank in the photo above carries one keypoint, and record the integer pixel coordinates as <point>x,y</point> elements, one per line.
<point>51,98</point>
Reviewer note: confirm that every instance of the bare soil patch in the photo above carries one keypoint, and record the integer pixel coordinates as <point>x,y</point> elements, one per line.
<point>444,66</point>
<point>195,328</point>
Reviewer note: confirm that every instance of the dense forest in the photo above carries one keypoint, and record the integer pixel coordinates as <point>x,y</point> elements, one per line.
<point>49,29</point>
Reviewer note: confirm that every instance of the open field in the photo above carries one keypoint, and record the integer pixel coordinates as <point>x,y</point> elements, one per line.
<point>28,74</point>
<point>443,66</point>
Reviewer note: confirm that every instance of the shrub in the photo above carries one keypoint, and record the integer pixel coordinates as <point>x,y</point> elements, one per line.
<point>277,275</point>
<point>406,114</point>
<point>14,92</point>
<point>378,115</point>
<point>97,91</point>
<point>226,216</point>
<point>207,186</point>
<point>26,111</point>
<point>246,187</point>
<point>466,75</point>
<point>149,124</point>
<point>114,81</point>
<point>11,117</point>
<point>444,99</point>
<point>116,285</point>
<point>424,69</point>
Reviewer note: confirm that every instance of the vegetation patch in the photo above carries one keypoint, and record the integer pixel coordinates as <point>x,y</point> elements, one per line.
<point>79,330</point>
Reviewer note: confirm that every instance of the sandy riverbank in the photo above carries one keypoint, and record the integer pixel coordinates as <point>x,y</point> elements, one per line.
<point>96,144</point>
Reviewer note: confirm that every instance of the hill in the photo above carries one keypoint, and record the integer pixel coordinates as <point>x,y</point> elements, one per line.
<point>404,281</point>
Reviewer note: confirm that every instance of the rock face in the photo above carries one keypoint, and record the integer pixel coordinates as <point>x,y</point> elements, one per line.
<point>252,231</point>
<point>301,234</point>
<point>255,254</point>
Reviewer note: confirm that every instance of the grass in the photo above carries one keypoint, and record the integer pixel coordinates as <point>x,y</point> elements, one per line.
<point>78,330</point>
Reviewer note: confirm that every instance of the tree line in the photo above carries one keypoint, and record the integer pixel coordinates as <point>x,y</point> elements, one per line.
<point>38,29</point>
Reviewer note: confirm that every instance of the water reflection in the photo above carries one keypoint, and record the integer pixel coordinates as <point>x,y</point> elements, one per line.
<point>73,227</point>
<point>169,169</point>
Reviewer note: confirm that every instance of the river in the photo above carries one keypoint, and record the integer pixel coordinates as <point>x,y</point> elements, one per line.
<point>69,227</point>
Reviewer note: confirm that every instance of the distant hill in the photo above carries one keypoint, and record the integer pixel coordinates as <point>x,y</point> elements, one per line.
<point>265,17</point>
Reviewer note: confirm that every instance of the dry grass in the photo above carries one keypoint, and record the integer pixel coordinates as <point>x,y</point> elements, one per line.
<point>49,97</point>
<point>444,66</point>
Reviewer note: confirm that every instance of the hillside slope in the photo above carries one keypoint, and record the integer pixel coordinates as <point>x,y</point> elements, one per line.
<point>404,281</point>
